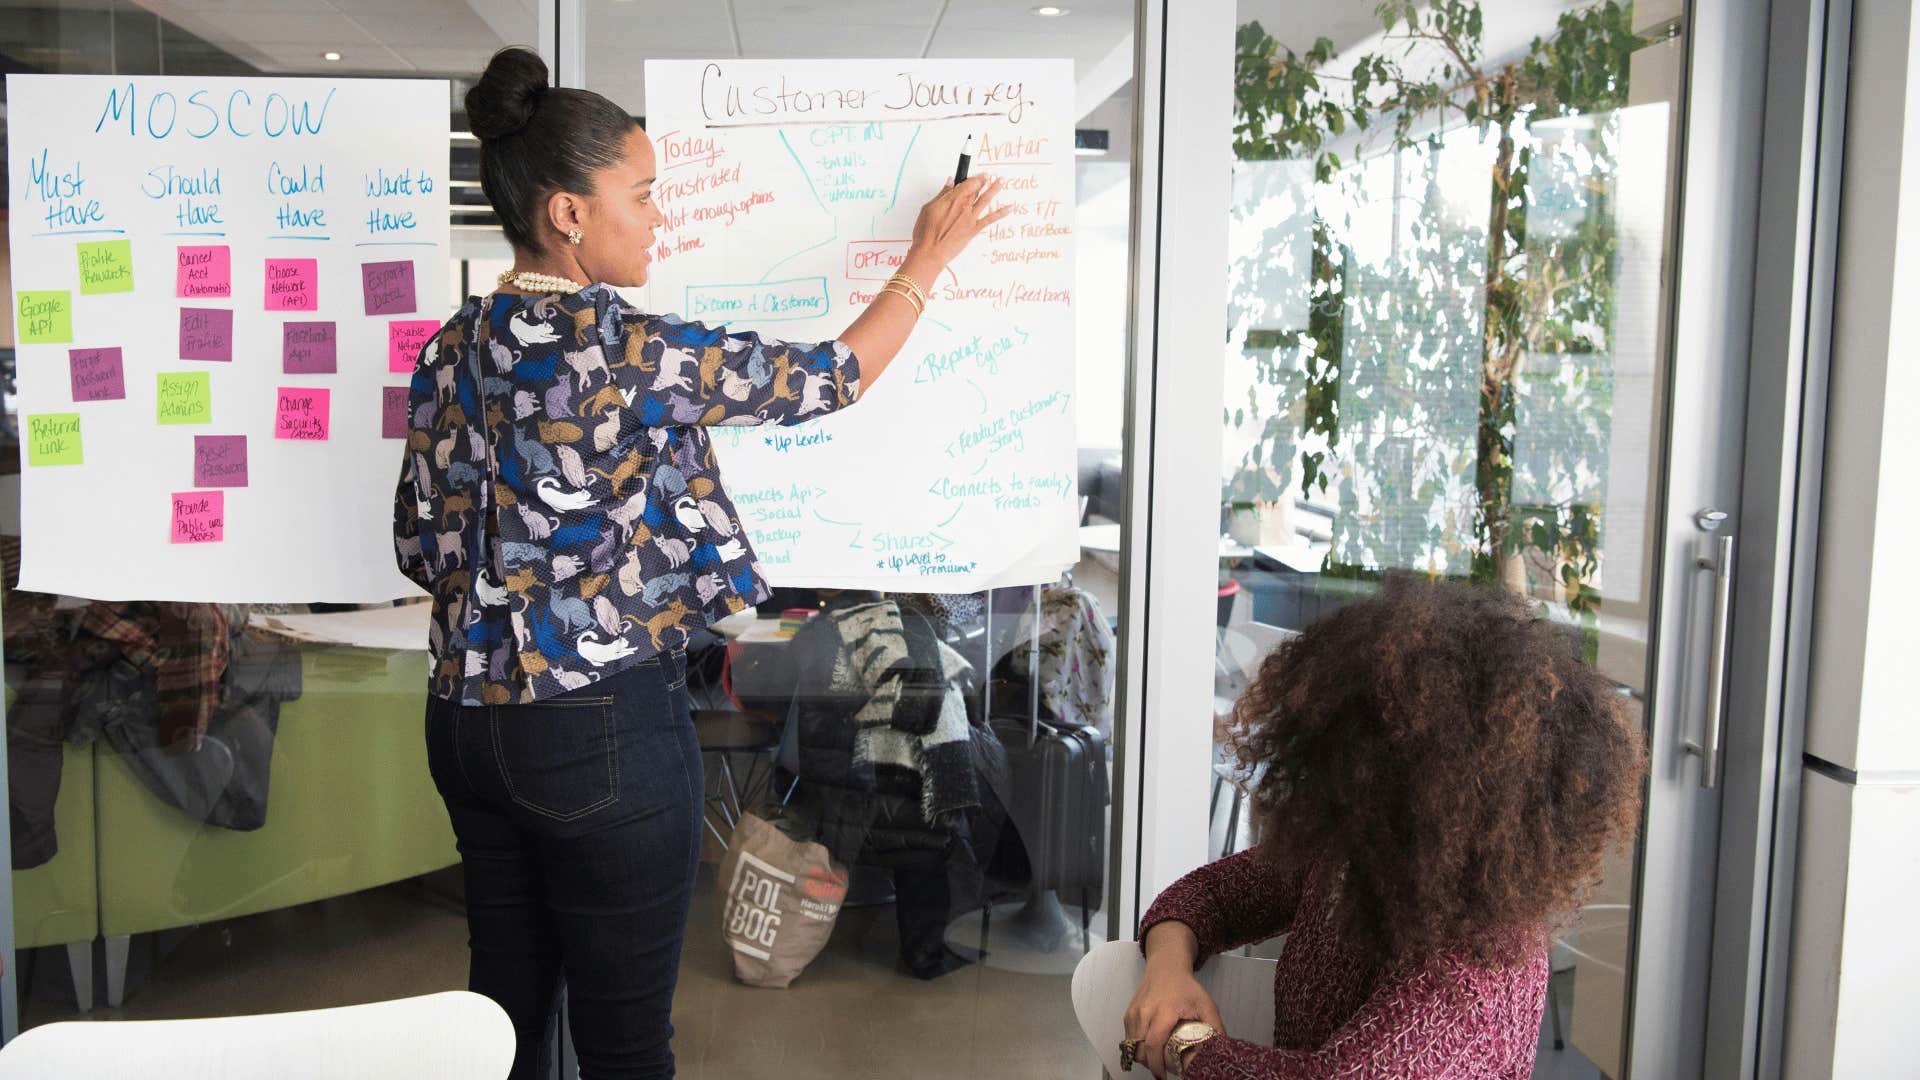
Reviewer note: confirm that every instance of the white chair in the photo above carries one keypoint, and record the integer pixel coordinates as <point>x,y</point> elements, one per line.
<point>451,1036</point>
<point>1104,983</point>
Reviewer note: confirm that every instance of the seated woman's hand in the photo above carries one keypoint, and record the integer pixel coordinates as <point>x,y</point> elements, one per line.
<point>1168,995</point>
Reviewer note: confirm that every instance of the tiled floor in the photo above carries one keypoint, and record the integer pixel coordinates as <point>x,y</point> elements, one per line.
<point>850,1015</point>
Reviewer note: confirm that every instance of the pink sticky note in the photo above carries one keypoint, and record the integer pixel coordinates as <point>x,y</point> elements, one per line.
<point>206,334</point>
<point>308,348</point>
<point>393,412</point>
<point>303,413</point>
<point>388,287</point>
<point>293,285</point>
<point>97,375</point>
<point>220,461</point>
<point>203,272</point>
<point>199,517</point>
<point>404,338</point>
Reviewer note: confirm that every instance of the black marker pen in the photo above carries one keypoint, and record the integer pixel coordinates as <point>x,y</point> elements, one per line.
<point>966,159</point>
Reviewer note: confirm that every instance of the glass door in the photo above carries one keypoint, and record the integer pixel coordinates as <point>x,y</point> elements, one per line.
<point>1470,333</point>
<point>954,954</point>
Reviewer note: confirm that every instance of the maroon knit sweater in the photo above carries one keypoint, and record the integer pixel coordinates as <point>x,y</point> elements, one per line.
<point>1339,1014</point>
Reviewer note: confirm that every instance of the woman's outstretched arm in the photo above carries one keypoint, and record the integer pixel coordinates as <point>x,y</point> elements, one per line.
<point>947,224</point>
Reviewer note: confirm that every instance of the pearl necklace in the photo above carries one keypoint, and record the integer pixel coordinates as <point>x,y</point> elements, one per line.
<point>540,283</point>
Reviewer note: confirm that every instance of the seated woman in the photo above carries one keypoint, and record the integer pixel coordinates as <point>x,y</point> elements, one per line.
<point>1440,776</point>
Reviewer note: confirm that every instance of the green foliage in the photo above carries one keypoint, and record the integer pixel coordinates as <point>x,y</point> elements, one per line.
<point>1453,395</point>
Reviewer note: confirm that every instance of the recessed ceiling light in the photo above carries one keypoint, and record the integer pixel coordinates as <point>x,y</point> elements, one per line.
<point>329,56</point>
<point>1050,11</point>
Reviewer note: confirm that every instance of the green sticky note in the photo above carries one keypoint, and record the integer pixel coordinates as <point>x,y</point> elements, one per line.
<point>186,397</point>
<point>44,318</point>
<point>53,439</point>
<point>106,266</point>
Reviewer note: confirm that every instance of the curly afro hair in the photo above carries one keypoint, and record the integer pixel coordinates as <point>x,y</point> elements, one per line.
<point>1452,751</point>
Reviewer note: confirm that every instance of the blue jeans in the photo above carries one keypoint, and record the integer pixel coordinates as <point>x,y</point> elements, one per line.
<point>578,820</point>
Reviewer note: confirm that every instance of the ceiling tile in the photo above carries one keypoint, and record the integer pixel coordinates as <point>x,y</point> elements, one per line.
<point>232,7</point>
<point>783,40</point>
<point>1015,16</point>
<point>322,31</point>
<point>449,61</point>
<point>841,14</point>
<point>444,28</point>
<point>299,60</point>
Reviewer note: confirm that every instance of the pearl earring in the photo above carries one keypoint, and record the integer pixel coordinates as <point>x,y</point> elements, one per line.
<point>573,236</point>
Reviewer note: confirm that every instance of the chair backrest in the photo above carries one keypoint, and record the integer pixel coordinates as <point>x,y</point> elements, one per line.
<point>1104,983</point>
<point>451,1036</point>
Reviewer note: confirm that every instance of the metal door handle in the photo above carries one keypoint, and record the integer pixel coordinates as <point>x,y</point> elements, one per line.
<point>1708,748</point>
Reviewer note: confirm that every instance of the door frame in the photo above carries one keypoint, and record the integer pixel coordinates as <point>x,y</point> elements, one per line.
<point>1809,44</point>
<point>1182,178</point>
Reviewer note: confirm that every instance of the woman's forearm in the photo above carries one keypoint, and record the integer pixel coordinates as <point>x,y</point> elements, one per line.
<point>1172,943</point>
<point>878,334</point>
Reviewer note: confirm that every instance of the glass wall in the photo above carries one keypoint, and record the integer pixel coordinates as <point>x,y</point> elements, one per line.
<point>958,940</point>
<point>1449,231</point>
<point>288,851</point>
<point>218,808</point>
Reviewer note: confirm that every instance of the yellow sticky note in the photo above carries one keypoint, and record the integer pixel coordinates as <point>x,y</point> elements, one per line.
<point>186,397</point>
<point>44,318</point>
<point>106,266</point>
<point>53,439</point>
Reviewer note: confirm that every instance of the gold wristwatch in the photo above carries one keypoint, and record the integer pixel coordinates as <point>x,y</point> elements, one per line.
<point>1185,1041</point>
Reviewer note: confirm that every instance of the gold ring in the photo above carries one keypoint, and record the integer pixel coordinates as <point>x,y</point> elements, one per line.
<point>1129,1053</point>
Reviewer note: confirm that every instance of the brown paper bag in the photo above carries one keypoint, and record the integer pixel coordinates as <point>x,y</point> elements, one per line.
<point>782,898</point>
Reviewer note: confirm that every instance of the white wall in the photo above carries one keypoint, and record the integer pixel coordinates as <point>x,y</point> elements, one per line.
<point>1855,948</point>
<point>1853,968</point>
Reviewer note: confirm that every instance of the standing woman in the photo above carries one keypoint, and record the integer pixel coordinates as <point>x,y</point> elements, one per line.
<point>560,500</point>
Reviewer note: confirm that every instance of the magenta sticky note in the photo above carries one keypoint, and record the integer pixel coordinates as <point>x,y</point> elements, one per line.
<point>206,334</point>
<point>293,285</point>
<point>203,272</point>
<point>199,517</point>
<point>308,348</point>
<point>303,413</point>
<point>97,375</point>
<point>393,412</point>
<point>388,287</point>
<point>219,461</point>
<point>404,338</point>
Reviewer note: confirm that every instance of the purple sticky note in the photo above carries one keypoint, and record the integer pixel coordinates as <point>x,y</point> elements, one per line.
<point>219,461</point>
<point>97,375</point>
<point>206,334</point>
<point>393,412</point>
<point>404,338</point>
<point>203,272</point>
<point>389,288</point>
<point>293,284</point>
<point>308,348</point>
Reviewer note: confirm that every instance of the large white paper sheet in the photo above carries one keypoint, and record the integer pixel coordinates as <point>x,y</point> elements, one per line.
<point>790,189</point>
<point>211,277</point>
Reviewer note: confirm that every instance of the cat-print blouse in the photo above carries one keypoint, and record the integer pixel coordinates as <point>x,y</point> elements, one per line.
<point>559,495</point>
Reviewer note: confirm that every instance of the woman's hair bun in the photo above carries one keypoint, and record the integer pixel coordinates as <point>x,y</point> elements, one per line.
<point>502,102</point>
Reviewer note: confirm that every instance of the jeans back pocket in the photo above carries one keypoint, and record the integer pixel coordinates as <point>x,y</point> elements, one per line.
<point>558,757</point>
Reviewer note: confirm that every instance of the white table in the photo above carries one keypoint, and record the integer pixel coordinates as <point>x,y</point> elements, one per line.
<point>1105,540</point>
<point>403,627</point>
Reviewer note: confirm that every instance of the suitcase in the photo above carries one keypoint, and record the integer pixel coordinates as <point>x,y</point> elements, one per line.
<point>1059,805</point>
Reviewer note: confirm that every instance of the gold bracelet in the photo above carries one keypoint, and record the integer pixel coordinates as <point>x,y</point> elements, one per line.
<point>894,288</point>
<point>919,292</point>
<point>903,294</point>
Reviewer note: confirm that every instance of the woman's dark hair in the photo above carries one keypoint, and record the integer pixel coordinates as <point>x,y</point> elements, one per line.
<point>536,140</point>
<point>1449,754</point>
